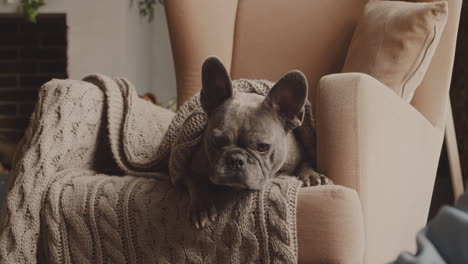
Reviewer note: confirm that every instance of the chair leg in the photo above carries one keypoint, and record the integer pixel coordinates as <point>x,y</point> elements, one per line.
<point>453,156</point>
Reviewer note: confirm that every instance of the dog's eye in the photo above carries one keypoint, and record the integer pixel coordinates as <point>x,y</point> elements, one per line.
<point>262,147</point>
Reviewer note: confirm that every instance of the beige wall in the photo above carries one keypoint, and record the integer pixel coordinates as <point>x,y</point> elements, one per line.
<point>109,36</point>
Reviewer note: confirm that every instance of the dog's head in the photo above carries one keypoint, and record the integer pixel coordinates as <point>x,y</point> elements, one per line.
<point>246,136</point>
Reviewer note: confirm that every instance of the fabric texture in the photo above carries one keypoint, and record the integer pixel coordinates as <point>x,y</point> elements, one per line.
<point>372,141</point>
<point>96,218</point>
<point>65,201</point>
<point>260,39</point>
<point>330,225</point>
<point>394,42</point>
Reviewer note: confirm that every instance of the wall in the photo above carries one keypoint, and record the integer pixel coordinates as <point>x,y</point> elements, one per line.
<point>138,46</point>
<point>163,77</point>
<point>109,36</point>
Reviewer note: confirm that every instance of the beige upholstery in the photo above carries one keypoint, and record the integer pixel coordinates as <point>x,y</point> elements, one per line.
<point>394,41</point>
<point>330,225</point>
<point>260,39</point>
<point>369,139</point>
<point>430,97</point>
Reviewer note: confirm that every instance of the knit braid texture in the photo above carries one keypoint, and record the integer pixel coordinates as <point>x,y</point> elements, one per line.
<point>94,181</point>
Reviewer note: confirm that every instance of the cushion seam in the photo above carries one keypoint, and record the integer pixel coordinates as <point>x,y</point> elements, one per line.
<point>424,52</point>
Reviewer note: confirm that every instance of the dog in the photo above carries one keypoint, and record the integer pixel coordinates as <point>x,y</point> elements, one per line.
<point>248,139</point>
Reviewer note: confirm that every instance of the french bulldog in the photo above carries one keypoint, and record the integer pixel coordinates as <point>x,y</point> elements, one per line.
<point>248,139</point>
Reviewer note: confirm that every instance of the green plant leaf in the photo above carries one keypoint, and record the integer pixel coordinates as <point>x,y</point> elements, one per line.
<point>146,8</point>
<point>30,9</point>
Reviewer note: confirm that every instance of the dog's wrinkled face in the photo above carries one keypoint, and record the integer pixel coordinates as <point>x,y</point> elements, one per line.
<point>244,142</point>
<point>246,137</point>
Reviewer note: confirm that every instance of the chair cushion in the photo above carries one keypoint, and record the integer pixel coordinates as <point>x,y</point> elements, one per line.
<point>395,41</point>
<point>330,227</point>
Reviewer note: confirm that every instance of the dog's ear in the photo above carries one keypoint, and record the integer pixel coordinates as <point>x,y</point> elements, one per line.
<point>216,84</point>
<point>287,98</point>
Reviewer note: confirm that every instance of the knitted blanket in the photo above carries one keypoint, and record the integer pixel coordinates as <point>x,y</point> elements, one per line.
<point>70,201</point>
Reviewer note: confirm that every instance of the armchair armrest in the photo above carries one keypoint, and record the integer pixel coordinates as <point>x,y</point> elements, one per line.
<point>330,227</point>
<point>370,140</point>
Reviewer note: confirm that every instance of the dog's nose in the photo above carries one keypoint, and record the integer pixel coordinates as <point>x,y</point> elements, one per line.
<point>236,161</point>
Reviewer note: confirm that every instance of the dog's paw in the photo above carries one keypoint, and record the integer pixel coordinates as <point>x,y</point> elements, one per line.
<point>203,214</point>
<point>313,178</point>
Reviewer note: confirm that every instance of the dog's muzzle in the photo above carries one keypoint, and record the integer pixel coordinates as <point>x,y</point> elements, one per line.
<point>236,161</point>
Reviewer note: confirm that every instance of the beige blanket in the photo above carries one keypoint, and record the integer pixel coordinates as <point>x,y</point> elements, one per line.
<point>71,203</point>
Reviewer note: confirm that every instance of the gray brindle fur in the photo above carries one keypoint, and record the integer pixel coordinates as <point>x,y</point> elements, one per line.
<point>248,139</point>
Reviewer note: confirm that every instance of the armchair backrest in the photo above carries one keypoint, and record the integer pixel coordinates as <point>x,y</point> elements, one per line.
<point>263,39</point>
<point>431,97</point>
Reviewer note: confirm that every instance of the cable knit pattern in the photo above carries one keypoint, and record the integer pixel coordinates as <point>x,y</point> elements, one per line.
<point>115,219</point>
<point>69,203</point>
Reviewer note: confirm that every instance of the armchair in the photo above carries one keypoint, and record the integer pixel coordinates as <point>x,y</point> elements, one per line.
<point>369,140</point>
